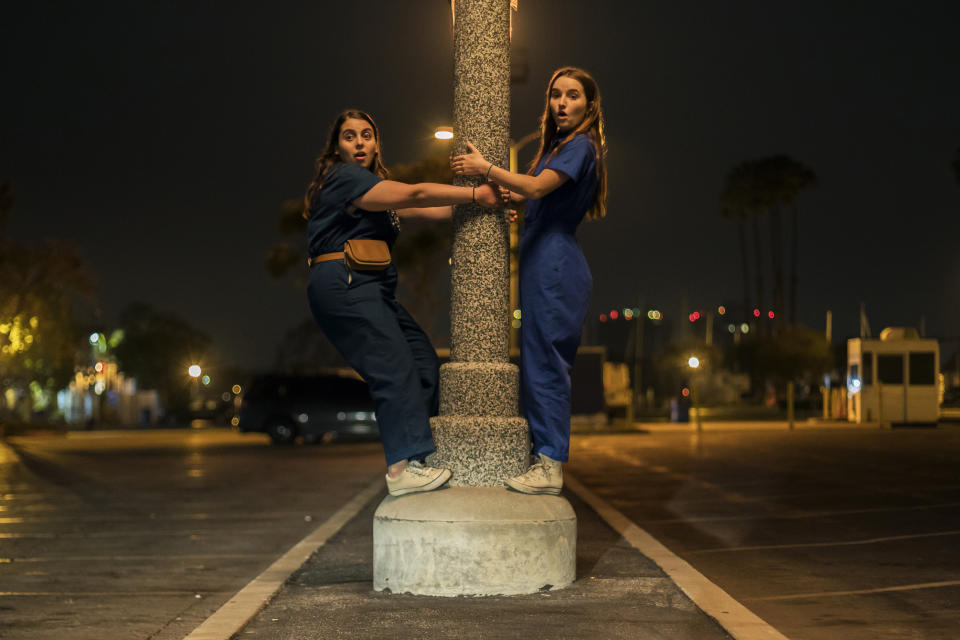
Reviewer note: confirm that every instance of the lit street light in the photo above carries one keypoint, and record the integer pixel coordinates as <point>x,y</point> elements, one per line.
<point>194,371</point>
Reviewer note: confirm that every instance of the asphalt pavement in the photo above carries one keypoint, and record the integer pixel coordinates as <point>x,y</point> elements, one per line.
<point>822,532</point>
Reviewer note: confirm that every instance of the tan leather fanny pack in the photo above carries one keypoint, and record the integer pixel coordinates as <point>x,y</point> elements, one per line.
<point>360,254</point>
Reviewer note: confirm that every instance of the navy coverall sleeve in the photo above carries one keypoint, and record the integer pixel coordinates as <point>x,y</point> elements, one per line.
<point>574,159</point>
<point>347,183</point>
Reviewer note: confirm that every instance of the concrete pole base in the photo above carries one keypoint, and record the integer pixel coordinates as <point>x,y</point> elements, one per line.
<point>473,541</point>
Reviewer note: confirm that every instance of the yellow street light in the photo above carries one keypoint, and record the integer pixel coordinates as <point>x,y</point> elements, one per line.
<point>194,371</point>
<point>443,133</point>
<point>693,362</point>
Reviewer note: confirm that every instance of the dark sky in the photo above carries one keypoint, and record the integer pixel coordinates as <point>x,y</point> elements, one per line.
<point>161,137</point>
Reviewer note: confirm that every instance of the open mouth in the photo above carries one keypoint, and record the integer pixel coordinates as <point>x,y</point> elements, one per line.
<point>360,156</point>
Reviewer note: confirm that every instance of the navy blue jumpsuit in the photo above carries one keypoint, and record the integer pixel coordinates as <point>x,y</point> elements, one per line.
<point>555,284</point>
<point>359,313</point>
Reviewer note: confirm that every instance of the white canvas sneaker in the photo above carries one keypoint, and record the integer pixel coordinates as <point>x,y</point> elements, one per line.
<point>545,476</point>
<point>416,477</point>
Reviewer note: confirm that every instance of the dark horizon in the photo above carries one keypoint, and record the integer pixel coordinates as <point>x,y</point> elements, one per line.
<point>163,140</point>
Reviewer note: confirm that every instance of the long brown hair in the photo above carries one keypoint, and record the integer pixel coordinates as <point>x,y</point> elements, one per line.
<point>592,126</point>
<point>331,155</point>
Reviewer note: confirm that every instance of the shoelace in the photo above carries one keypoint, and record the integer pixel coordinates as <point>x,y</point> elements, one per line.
<point>416,468</point>
<point>540,469</point>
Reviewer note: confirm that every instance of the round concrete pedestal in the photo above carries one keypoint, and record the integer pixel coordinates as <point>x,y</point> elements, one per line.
<point>473,541</point>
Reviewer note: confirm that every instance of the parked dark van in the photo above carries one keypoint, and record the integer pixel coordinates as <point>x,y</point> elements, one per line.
<point>318,407</point>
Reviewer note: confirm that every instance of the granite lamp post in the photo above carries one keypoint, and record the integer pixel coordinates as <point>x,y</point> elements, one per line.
<point>476,537</point>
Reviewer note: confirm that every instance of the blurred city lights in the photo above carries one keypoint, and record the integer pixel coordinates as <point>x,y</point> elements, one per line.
<point>603,317</point>
<point>205,379</point>
<point>628,314</point>
<point>194,371</point>
<point>98,367</point>
<point>515,323</point>
<point>236,389</point>
<point>654,314</point>
<point>234,421</point>
<point>94,338</point>
<point>770,314</point>
<point>685,392</point>
<point>732,328</point>
<point>756,313</point>
<point>744,328</point>
<point>693,362</point>
<point>696,315</point>
<point>443,133</point>
<point>516,313</point>
<point>614,314</point>
<point>722,310</point>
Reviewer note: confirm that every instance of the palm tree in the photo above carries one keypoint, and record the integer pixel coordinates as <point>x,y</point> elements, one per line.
<point>783,179</point>
<point>734,205</point>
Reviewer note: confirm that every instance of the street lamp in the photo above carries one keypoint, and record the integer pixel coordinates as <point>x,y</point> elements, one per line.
<point>694,363</point>
<point>194,371</point>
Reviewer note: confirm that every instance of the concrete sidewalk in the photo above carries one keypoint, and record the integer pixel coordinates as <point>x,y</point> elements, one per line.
<point>619,593</point>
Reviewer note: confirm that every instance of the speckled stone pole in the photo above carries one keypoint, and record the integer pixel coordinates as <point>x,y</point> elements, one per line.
<point>476,537</point>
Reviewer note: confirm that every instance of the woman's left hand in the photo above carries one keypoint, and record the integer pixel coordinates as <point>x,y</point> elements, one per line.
<point>469,164</point>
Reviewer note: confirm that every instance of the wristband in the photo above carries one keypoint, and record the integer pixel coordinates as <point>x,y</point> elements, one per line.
<point>487,177</point>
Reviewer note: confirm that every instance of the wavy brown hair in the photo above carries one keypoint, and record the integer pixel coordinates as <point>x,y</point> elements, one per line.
<point>592,126</point>
<point>331,155</point>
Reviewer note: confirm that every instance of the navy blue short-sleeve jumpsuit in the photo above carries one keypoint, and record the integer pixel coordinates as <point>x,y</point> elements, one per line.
<point>359,313</point>
<point>555,285</point>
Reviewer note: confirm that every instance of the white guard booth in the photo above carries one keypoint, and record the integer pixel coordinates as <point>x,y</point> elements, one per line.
<point>893,379</point>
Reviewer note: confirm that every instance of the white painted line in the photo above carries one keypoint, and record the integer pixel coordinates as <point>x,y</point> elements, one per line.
<point>859,592</point>
<point>736,619</point>
<point>237,611</point>
<point>845,543</point>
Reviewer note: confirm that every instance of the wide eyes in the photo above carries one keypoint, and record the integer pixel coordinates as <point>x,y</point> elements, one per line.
<point>350,135</point>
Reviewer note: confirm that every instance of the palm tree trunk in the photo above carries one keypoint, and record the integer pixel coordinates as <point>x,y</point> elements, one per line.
<point>794,242</point>
<point>745,263</point>
<point>776,260</point>
<point>758,264</point>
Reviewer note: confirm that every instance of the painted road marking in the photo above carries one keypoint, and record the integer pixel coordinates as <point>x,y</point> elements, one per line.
<point>830,544</point>
<point>232,616</point>
<point>858,592</point>
<point>736,619</point>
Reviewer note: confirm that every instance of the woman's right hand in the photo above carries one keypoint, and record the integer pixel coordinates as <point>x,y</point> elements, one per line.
<point>488,196</point>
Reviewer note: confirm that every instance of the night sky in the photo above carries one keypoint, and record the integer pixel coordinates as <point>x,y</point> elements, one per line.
<point>162,137</point>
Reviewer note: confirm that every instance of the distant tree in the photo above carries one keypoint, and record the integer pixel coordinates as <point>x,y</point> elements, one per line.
<point>44,289</point>
<point>764,186</point>
<point>157,348</point>
<point>782,180</point>
<point>304,349</point>
<point>742,200</point>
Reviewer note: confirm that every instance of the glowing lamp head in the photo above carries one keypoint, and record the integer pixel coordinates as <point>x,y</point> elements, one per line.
<point>194,371</point>
<point>693,362</point>
<point>443,133</point>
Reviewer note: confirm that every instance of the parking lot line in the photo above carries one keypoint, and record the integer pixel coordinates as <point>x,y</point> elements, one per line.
<point>861,592</point>
<point>736,619</point>
<point>237,611</point>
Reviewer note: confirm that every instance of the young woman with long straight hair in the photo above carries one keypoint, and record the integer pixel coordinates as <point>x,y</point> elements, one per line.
<point>353,296</point>
<point>566,183</point>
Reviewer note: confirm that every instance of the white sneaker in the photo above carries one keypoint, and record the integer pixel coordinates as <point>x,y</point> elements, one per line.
<point>416,477</point>
<point>545,476</point>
